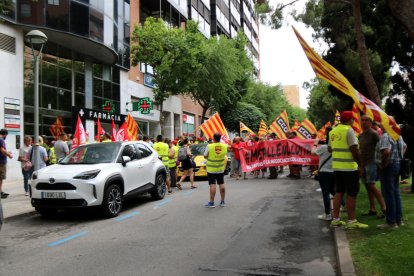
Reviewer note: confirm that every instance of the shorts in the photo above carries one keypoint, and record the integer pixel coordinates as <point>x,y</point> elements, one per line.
<point>370,174</point>
<point>167,170</point>
<point>3,170</point>
<point>213,177</point>
<point>347,182</point>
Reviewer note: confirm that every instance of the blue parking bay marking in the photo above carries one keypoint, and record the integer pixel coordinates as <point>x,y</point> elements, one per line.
<point>165,201</point>
<point>81,234</point>
<point>188,193</point>
<point>121,218</point>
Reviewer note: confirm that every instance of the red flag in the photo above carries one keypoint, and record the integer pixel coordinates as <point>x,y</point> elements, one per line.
<point>80,135</point>
<point>122,134</point>
<point>99,130</point>
<point>57,127</point>
<point>113,134</point>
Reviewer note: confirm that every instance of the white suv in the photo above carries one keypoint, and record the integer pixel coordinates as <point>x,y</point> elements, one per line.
<point>100,174</point>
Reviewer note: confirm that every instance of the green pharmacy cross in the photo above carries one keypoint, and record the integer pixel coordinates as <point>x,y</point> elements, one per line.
<point>145,105</point>
<point>108,107</point>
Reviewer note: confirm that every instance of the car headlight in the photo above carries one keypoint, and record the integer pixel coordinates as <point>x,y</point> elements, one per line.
<point>87,175</point>
<point>34,175</point>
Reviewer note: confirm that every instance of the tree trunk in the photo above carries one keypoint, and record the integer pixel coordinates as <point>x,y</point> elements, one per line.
<point>363,55</point>
<point>403,12</point>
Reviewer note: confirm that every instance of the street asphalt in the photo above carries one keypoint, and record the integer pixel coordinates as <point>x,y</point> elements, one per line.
<point>269,227</point>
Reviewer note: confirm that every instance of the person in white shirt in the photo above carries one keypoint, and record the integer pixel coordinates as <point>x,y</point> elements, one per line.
<point>24,157</point>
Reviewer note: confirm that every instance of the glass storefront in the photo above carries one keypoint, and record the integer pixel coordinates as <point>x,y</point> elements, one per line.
<point>61,85</point>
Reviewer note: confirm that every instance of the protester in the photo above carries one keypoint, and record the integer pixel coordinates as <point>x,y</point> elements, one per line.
<point>389,155</point>
<point>172,162</point>
<point>43,157</point>
<point>3,160</point>
<point>162,149</point>
<point>376,126</point>
<point>23,153</point>
<point>294,169</point>
<point>368,139</point>
<point>273,173</point>
<point>106,137</point>
<point>326,176</point>
<point>69,141</point>
<point>347,167</point>
<point>235,147</point>
<point>216,155</point>
<point>51,153</point>
<point>187,166</point>
<point>147,140</point>
<point>61,147</point>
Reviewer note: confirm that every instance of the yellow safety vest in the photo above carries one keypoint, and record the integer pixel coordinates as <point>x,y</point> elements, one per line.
<point>216,160</point>
<point>52,156</point>
<point>172,162</point>
<point>342,159</point>
<point>162,150</point>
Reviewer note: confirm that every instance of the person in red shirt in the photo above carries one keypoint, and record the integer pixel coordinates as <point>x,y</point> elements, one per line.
<point>235,147</point>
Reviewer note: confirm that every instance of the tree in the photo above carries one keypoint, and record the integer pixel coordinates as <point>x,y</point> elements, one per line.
<point>249,114</point>
<point>403,11</point>
<point>167,51</point>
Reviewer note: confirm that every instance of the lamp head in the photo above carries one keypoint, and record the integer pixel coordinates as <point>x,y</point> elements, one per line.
<point>36,37</point>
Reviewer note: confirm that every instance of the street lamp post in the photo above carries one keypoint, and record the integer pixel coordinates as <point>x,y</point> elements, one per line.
<point>39,39</point>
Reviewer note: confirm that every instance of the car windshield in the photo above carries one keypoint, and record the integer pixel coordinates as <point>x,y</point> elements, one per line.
<point>92,154</point>
<point>198,149</point>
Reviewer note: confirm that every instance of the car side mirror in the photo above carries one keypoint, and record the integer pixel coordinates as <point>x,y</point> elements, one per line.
<point>125,159</point>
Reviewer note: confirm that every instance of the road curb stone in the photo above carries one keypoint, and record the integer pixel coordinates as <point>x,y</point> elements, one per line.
<point>344,258</point>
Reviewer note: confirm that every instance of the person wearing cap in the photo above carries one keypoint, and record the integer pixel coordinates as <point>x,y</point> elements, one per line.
<point>346,166</point>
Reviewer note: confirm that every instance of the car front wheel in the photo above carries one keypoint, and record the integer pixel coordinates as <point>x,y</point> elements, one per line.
<point>160,187</point>
<point>112,201</point>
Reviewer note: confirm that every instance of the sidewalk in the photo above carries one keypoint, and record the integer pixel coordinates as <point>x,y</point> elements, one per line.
<point>16,203</point>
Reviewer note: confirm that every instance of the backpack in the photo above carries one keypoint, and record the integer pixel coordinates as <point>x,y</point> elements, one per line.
<point>182,154</point>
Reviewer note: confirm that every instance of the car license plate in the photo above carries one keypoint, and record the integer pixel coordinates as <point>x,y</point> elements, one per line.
<point>53,195</point>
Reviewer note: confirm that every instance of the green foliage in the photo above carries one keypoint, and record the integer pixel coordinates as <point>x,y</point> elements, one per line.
<point>296,113</point>
<point>248,113</point>
<point>323,103</point>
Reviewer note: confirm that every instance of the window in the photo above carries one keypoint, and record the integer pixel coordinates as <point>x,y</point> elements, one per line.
<point>130,151</point>
<point>79,19</point>
<point>143,150</point>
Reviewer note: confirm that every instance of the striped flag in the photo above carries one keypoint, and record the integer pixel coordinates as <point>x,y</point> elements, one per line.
<point>357,120</point>
<point>322,132</point>
<point>57,128</point>
<point>262,129</point>
<point>243,127</point>
<point>337,117</point>
<point>132,128</point>
<point>213,125</point>
<point>306,129</point>
<point>296,125</point>
<point>327,72</point>
<point>280,126</point>
<point>99,131</point>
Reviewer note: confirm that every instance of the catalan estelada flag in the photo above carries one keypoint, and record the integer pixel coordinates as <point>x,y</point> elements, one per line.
<point>322,132</point>
<point>357,120</point>
<point>306,129</point>
<point>327,72</point>
<point>280,126</point>
<point>215,124</point>
<point>243,127</point>
<point>262,129</point>
<point>57,128</point>
<point>132,128</point>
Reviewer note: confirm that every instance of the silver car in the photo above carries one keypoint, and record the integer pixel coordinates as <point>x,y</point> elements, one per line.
<point>100,174</point>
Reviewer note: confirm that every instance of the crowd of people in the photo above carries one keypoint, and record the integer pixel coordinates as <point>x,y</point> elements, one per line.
<point>345,159</point>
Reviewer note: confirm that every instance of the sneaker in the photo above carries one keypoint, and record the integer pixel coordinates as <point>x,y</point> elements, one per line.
<point>388,226</point>
<point>325,217</point>
<point>210,205</point>
<point>222,204</point>
<point>337,223</point>
<point>26,194</point>
<point>355,224</point>
<point>400,223</point>
<point>4,195</point>
<point>370,213</point>
<point>381,215</point>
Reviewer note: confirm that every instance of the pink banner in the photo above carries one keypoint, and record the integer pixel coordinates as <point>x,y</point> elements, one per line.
<point>277,153</point>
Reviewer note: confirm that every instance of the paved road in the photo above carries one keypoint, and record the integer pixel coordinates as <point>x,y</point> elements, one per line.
<point>268,228</point>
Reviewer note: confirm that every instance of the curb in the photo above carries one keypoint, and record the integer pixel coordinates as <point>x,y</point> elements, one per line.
<point>344,258</point>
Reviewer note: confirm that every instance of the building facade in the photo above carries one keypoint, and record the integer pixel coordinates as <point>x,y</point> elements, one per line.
<point>292,94</point>
<point>85,65</point>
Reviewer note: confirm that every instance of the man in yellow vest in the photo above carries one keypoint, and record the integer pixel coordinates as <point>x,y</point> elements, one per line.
<point>172,162</point>
<point>346,166</point>
<point>162,149</point>
<point>216,155</point>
